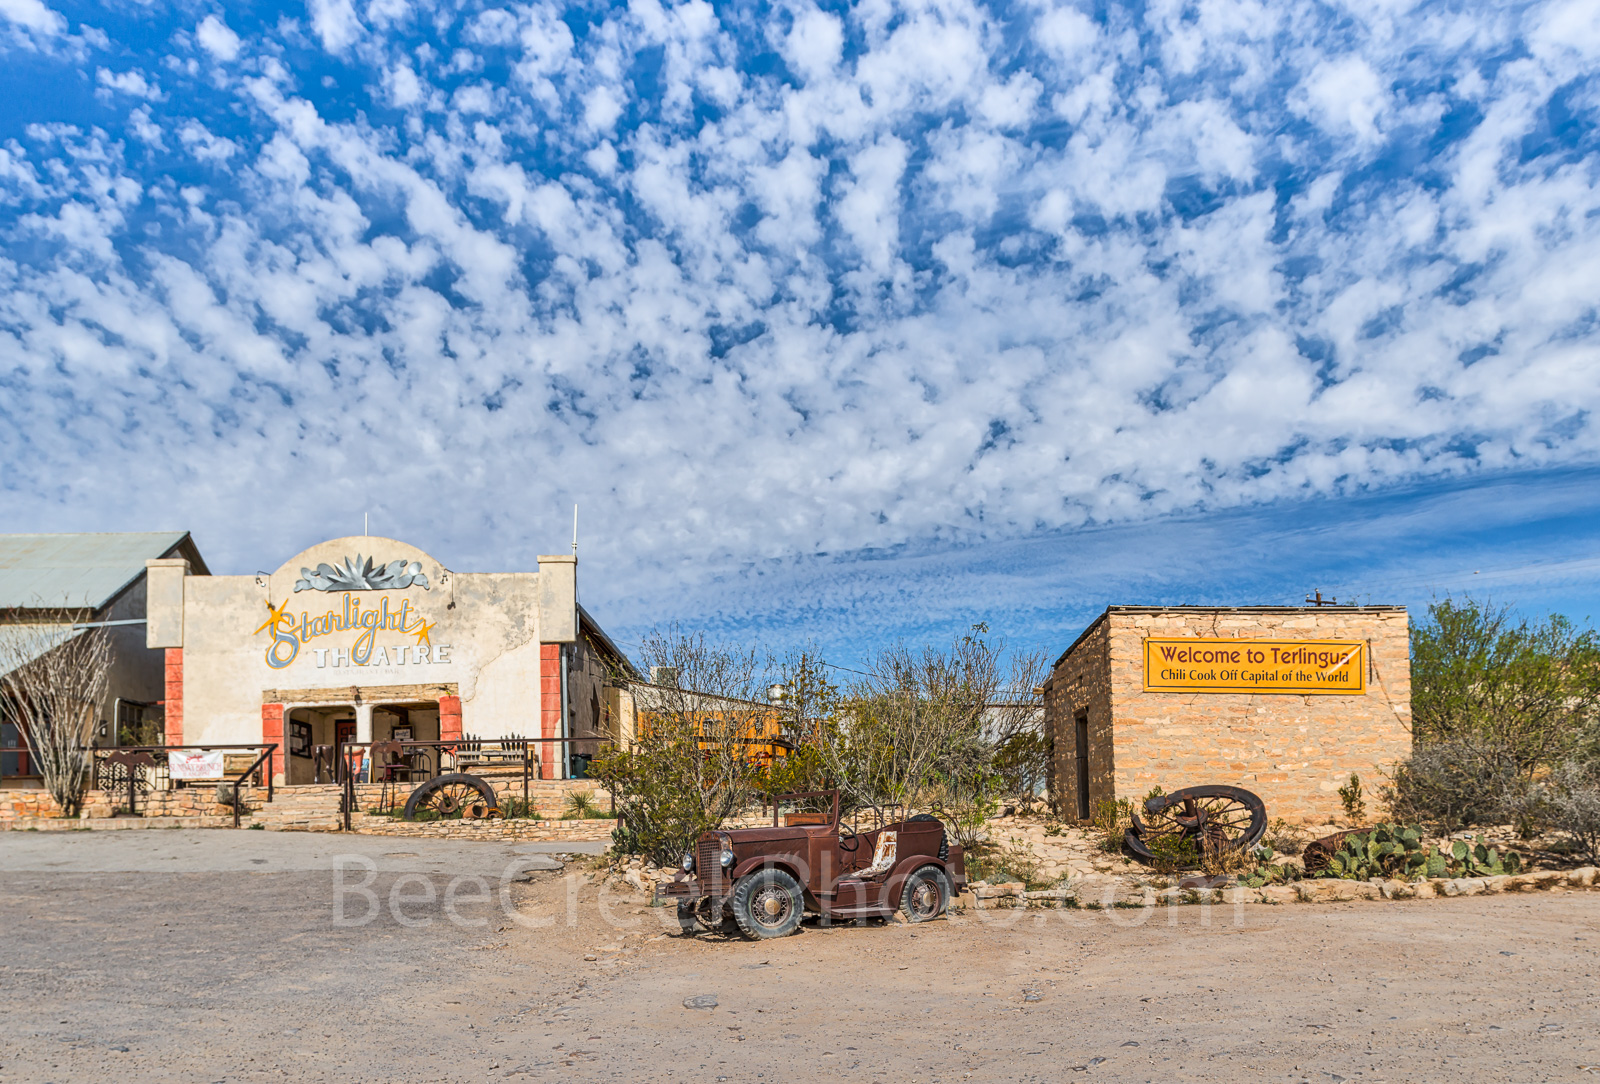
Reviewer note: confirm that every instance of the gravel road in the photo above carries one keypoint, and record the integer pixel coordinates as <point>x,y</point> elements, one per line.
<point>188,961</point>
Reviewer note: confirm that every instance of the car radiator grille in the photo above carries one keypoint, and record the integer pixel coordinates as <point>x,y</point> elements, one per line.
<point>708,864</point>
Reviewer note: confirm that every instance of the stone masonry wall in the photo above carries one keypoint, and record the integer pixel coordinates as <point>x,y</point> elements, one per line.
<point>1293,750</point>
<point>1081,683</point>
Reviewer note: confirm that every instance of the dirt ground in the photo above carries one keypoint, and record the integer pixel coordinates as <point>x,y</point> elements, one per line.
<point>191,962</point>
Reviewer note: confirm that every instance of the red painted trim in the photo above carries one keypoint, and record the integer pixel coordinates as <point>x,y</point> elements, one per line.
<point>549,708</point>
<point>174,707</point>
<point>449,718</point>
<point>272,731</point>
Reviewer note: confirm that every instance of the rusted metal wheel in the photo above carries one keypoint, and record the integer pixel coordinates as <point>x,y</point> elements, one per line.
<point>453,795</point>
<point>926,894</point>
<point>767,903</point>
<point>1186,825</point>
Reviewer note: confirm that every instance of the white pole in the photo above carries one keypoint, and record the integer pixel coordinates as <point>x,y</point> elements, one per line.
<point>364,525</point>
<point>574,530</point>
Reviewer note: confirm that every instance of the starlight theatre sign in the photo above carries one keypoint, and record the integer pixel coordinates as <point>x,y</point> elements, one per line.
<point>1255,666</point>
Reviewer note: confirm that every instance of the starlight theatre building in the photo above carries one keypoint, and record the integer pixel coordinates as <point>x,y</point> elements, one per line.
<point>370,639</point>
<point>1287,702</point>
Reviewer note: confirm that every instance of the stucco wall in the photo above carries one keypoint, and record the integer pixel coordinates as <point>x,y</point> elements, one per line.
<point>136,672</point>
<point>1293,750</point>
<point>487,625</point>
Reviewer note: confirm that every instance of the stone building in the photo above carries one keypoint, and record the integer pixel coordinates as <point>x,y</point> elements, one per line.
<point>1284,701</point>
<point>371,639</point>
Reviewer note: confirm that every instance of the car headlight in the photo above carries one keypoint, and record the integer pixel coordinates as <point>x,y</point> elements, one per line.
<point>688,863</point>
<point>727,859</point>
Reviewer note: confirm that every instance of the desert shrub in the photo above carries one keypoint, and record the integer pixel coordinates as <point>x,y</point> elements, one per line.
<point>1355,805</point>
<point>1284,838</point>
<point>964,804</point>
<point>1572,804</point>
<point>1111,820</point>
<point>1499,703</point>
<point>1449,786</point>
<point>1012,861</point>
<point>517,808</point>
<point>1022,761</point>
<point>944,729</point>
<point>1172,852</point>
<point>691,765</point>
<point>1525,695</point>
<point>580,805</point>
<point>1268,872</point>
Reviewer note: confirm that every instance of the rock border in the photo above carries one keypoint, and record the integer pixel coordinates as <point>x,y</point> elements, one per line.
<point>1104,894</point>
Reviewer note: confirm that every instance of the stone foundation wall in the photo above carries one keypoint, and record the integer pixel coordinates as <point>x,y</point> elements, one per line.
<point>316,809</point>
<point>16,805</point>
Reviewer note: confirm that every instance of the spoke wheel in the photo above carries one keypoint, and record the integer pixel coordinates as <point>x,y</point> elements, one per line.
<point>1187,825</point>
<point>767,903</point>
<point>452,795</point>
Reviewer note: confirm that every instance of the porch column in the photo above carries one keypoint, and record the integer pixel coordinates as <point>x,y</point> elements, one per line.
<point>363,722</point>
<point>272,732</point>
<point>550,753</point>
<point>449,718</point>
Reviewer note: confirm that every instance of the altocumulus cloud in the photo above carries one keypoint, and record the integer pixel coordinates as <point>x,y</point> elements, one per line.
<point>756,280</point>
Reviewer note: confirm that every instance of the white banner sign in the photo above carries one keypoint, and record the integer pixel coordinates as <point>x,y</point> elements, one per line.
<point>194,765</point>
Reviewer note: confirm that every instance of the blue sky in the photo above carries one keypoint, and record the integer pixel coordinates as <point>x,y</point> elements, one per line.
<point>848,322</point>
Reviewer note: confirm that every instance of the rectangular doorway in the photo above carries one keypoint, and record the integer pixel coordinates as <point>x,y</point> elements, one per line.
<point>1081,751</point>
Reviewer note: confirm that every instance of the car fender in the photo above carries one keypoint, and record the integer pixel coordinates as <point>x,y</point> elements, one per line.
<point>776,861</point>
<point>896,883</point>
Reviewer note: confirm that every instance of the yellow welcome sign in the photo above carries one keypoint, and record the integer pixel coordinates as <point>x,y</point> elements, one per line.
<point>1255,666</point>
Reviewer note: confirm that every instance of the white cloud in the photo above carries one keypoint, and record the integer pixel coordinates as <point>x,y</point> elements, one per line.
<point>215,38</point>
<point>335,22</point>
<point>1346,97</point>
<point>129,82</point>
<point>601,108</point>
<point>970,273</point>
<point>33,15</point>
<point>814,44</point>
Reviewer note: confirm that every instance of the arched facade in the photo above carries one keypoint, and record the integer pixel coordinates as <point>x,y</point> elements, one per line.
<point>364,639</point>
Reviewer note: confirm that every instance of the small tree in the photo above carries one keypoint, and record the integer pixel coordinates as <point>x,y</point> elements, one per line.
<point>54,688</point>
<point>695,759</point>
<point>1522,695</point>
<point>923,728</point>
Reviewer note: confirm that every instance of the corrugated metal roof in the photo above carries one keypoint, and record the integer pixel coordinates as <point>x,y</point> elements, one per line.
<point>38,639</point>
<point>71,570</point>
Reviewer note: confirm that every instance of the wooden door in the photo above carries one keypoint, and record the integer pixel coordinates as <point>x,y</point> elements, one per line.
<point>1083,765</point>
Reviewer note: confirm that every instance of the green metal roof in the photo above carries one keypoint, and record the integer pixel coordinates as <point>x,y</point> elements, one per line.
<point>75,570</point>
<point>21,644</point>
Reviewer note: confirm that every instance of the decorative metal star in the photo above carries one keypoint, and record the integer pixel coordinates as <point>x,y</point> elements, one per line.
<point>422,630</point>
<point>277,615</point>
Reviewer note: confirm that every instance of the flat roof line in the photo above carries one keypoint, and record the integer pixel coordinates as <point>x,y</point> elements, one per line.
<point>1325,608</point>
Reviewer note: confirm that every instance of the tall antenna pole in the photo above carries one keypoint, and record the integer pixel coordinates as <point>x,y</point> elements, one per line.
<point>574,530</point>
<point>364,531</point>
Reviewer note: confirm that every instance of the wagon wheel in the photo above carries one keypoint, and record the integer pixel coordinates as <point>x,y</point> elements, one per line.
<point>1210,819</point>
<point>452,795</point>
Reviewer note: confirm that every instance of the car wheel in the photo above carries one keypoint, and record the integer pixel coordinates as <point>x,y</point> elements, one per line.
<point>926,895</point>
<point>767,903</point>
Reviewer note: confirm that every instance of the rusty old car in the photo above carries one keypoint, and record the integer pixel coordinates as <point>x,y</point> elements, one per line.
<point>868,864</point>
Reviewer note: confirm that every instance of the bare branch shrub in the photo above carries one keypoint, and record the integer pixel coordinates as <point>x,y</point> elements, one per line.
<point>54,691</point>
<point>923,728</point>
<point>693,763</point>
<point>1572,805</point>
